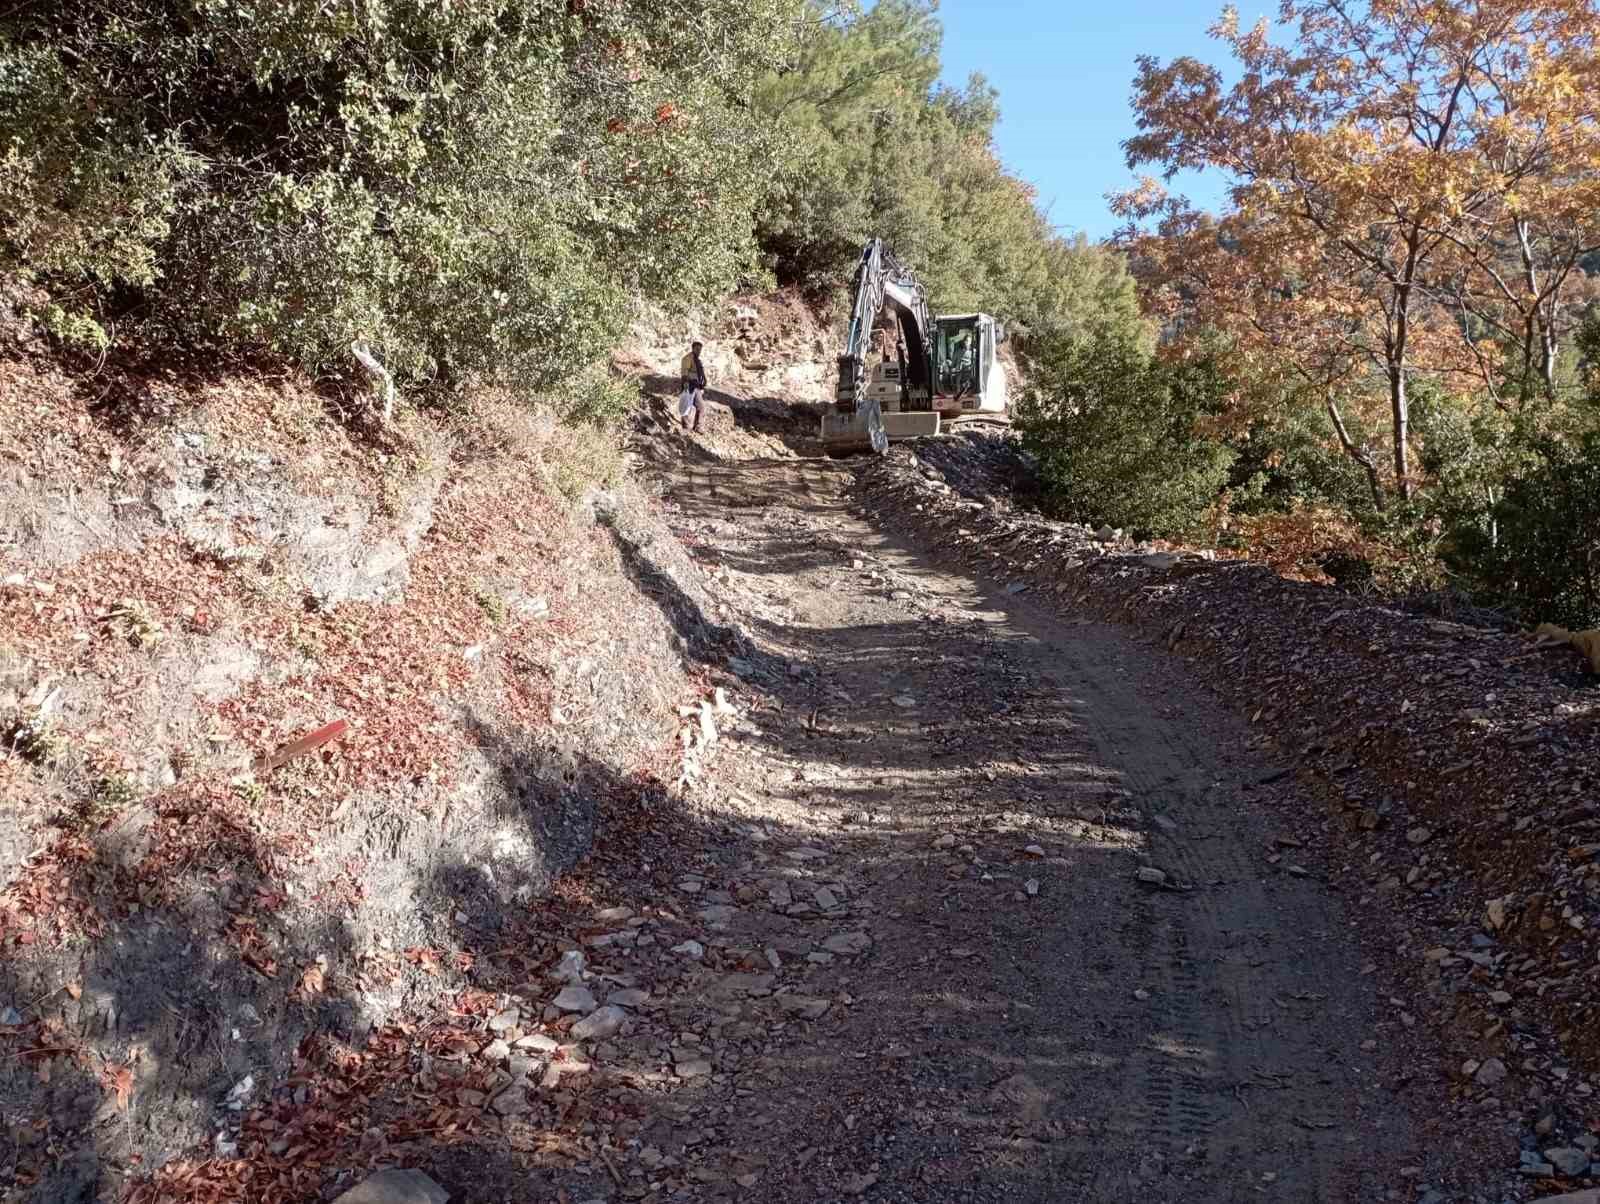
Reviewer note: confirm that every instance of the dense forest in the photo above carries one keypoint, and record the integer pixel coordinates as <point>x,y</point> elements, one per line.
<point>1374,363</point>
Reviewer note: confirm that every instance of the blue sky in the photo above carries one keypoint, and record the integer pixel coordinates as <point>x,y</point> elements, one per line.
<point>1064,70</point>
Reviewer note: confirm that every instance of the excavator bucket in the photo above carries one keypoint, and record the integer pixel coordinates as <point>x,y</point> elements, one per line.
<point>842,432</point>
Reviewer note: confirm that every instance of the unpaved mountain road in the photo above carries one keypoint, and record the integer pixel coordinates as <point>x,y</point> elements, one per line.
<point>948,801</point>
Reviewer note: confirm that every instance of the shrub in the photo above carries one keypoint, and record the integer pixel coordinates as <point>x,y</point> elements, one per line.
<point>473,188</point>
<point>1114,431</point>
<point>1541,554</point>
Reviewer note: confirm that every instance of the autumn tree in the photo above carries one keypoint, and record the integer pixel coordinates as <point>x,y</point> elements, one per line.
<point>1378,167</point>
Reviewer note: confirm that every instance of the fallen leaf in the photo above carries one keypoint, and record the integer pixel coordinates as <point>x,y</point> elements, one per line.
<point>119,1081</point>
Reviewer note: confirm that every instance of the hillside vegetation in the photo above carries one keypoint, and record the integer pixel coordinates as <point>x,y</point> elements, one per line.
<point>1398,291</point>
<point>1373,364</point>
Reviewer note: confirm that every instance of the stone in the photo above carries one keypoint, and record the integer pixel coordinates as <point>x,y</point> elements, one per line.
<point>538,1042</point>
<point>576,999</point>
<point>716,915</point>
<point>1535,1167</point>
<point>690,949</point>
<point>513,1101</point>
<point>1546,1125</point>
<point>1419,835</point>
<point>497,1050</point>
<point>1500,997</point>
<point>825,899</point>
<point>633,997</point>
<point>570,967</point>
<point>780,895</point>
<point>1491,1073</point>
<point>904,701</point>
<point>1151,876</point>
<point>127,841</point>
<point>11,1018</point>
<point>694,1068</point>
<point>849,944</point>
<point>946,841</point>
<point>600,1024</point>
<point>396,1187</point>
<point>1034,850</point>
<point>1568,1161</point>
<point>809,1007</point>
<point>1495,913</point>
<point>1031,887</point>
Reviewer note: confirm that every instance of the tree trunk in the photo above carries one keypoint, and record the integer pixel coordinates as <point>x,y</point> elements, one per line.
<point>1357,453</point>
<point>1401,407</point>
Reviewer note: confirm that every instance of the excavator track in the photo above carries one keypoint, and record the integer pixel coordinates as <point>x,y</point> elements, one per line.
<point>969,421</point>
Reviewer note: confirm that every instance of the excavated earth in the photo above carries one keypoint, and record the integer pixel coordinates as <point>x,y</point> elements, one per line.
<point>822,831</point>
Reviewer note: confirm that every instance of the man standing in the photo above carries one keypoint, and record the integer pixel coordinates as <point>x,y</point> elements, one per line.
<point>692,373</point>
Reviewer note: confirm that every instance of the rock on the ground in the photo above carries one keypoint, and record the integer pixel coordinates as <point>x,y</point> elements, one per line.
<point>569,968</point>
<point>600,1024</point>
<point>396,1187</point>
<point>808,1006</point>
<point>1568,1160</point>
<point>848,943</point>
<point>576,999</point>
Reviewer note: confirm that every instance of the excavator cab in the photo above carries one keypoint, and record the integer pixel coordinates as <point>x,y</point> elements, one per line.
<point>957,357</point>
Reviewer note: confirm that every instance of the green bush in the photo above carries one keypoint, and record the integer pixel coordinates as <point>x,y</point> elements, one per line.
<point>476,189</point>
<point>1540,551</point>
<point>1115,432</point>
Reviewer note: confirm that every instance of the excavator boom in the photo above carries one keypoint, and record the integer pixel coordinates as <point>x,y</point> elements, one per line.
<point>882,286</point>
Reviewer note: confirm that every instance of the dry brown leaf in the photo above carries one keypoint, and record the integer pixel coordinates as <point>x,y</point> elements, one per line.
<point>119,1081</point>
<point>312,979</point>
<point>75,990</point>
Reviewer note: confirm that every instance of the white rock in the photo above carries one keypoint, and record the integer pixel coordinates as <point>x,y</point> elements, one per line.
<point>1152,876</point>
<point>576,999</point>
<point>690,949</point>
<point>600,1024</point>
<point>570,967</point>
<point>396,1187</point>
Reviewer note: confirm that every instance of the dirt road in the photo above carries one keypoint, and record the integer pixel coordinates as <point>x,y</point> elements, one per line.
<point>931,839</point>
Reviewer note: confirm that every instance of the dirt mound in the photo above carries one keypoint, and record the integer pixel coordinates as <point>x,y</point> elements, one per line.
<point>1461,765</point>
<point>200,568</point>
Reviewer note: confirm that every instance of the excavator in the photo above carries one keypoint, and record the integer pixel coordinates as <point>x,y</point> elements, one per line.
<point>927,374</point>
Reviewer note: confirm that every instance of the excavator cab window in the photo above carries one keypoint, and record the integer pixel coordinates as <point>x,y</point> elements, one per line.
<point>959,358</point>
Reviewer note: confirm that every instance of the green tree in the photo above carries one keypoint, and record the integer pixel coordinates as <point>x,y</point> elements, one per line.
<point>474,189</point>
<point>1116,433</point>
<point>1544,555</point>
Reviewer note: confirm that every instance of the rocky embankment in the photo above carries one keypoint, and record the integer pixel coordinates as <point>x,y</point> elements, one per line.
<point>1461,766</point>
<point>297,709</point>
